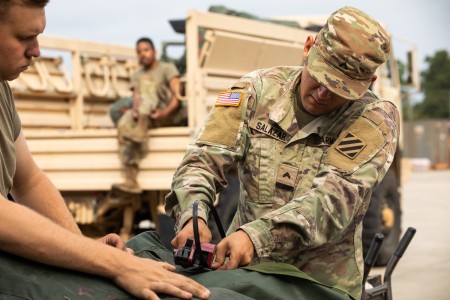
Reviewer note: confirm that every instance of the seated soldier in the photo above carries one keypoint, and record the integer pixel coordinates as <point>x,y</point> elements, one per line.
<point>156,90</point>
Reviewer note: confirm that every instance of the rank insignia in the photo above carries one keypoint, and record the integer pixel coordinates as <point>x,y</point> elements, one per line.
<point>229,98</point>
<point>350,145</point>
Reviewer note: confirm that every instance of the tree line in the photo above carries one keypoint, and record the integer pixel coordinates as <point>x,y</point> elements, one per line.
<point>435,82</point>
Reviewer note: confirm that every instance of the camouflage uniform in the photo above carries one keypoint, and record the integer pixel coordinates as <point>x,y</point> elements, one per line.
<point>131,153</point>
<point>304,189</point>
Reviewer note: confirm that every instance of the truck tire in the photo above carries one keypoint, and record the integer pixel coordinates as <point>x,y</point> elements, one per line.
<point>383,216</point>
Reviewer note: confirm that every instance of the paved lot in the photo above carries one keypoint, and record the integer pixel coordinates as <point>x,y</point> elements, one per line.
<point>424,270</point>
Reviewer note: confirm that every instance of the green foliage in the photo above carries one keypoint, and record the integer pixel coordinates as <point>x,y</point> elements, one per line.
<point>436,86</point>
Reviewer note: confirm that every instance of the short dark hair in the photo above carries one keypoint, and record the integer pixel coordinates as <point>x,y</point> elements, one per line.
<point>5,5</point>
<point>146,40</point>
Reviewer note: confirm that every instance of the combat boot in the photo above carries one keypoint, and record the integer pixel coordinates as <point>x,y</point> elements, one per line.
<point>130,185</point>
<point>139,133</point>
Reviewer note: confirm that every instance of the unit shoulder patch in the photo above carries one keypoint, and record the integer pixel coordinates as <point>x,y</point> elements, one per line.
<point>356,145</point>
<point>350,145</point>
<point>225,120</point>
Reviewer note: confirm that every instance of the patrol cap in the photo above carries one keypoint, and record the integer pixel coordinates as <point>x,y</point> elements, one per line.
<point>347,52</point>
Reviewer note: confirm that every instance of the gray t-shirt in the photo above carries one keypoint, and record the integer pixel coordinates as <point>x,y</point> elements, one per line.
<point>160,77</point>
<point>10,129</point>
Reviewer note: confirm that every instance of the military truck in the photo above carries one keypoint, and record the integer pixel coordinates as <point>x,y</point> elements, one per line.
<point>64,97</point>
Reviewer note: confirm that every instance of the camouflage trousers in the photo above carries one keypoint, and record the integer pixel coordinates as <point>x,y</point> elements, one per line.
<point>24,279</point>
<point>131,153</point>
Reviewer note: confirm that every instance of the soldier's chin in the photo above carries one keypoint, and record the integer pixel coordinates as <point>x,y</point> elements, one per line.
<point>14,76</point>
<point>312,106</point>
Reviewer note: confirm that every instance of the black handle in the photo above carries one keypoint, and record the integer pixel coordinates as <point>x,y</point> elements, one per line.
<point>374,249</point>
<point>398,253</point>
<point>404,242</point>
<point>372,255</point>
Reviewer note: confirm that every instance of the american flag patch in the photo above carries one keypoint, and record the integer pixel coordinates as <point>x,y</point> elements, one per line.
<point>229,99</point>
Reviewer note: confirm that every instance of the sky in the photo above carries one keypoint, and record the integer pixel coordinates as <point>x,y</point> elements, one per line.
<point>419,23</point>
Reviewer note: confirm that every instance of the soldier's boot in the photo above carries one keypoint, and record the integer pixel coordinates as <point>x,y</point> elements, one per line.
<point>139,133</point>
<point>130,185</point>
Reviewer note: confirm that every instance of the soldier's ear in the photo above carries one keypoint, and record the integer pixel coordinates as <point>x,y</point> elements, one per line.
<point>308,44</point>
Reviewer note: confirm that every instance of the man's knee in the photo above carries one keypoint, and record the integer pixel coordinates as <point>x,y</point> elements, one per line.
<point>119,107</point>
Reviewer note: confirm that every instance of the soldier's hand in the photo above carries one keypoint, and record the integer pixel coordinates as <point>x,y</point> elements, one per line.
<point>188,232</point>
<point>114,240</point>
<point>145,278</point>
<point>238,247</point>
<point>158,114</point>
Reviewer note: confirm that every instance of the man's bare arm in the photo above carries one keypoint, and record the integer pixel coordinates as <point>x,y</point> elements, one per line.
<point>32,188</point>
